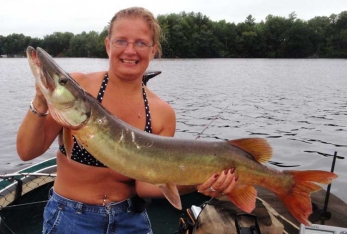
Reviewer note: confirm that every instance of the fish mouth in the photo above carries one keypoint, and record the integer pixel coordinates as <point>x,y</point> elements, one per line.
<point>41,67</point>
<point>65,98</point>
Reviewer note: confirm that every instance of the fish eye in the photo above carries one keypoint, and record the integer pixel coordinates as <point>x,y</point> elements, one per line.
<point>63,80</point>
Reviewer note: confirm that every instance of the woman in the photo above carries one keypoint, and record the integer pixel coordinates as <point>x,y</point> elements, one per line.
<point>88,197</point>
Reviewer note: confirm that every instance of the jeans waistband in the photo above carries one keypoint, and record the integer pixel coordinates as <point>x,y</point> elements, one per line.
<point>83,207</point>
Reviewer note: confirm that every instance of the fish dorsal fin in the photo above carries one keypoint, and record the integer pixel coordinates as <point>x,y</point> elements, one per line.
<point>259,148</point>
<point>170,191</point>
<point>244,197</point>
<point>68,142</point>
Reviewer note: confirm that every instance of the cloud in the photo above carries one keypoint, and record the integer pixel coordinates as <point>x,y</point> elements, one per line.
<point>37,18</point>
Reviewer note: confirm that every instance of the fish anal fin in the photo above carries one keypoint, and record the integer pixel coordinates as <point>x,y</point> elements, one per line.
<point>170,191</point>
<point>259,148</point>
<point>68,142</point>
<point>244,197</point>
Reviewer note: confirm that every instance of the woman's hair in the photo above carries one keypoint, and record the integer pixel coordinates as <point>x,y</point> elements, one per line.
<point>147,16</point>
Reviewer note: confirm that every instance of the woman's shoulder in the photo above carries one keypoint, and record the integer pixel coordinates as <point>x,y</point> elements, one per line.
<point>87,77</point>
<point>88,81</point>
<point>163,115</point>
<point>155,100</point>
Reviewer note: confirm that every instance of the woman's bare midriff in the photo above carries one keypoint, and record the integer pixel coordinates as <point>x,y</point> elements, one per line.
<point>90,184</point>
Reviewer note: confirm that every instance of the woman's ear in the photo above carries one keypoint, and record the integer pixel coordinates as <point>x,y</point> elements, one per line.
<point>107,46</point>
<point>154,51</point>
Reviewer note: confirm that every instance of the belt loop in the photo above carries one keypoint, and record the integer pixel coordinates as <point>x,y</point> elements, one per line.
<point>130,204</point>
<point>79,207</point>
<point>50,192</point>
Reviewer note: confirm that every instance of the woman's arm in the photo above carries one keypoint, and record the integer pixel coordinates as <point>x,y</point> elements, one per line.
<point>36,132</point>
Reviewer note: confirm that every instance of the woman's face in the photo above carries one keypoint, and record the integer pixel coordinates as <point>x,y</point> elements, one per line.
<point>129,62</point>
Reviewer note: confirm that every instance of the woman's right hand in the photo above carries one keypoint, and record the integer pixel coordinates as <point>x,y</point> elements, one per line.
<point>39,101</point>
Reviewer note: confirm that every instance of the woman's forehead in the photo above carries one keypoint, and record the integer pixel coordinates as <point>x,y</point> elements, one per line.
<point>130,26</point>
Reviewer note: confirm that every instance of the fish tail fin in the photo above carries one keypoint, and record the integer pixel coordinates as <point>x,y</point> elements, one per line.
<point>297,198</point>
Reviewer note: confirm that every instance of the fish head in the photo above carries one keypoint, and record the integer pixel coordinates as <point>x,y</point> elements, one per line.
<point>65,97</point>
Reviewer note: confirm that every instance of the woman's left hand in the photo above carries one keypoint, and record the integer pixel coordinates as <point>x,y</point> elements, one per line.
<point>219,184</point>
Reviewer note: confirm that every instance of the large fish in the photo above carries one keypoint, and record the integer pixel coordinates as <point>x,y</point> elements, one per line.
<point>167,161</point>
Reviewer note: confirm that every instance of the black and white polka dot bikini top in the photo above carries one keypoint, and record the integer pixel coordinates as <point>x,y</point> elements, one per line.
<point>81,155</point>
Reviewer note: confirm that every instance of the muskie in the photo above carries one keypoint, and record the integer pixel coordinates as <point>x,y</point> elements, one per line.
<point>167,161</point>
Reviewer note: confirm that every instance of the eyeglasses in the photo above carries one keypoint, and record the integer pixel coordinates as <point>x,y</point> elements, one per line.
<point>139,45</point>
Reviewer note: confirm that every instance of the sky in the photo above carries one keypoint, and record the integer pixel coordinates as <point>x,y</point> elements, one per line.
<point>37,18</point>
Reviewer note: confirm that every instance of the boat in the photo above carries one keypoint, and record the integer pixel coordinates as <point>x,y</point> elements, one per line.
<point>24,194</point>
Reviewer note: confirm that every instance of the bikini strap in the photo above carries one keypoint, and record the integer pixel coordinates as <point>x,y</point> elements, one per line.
<point>102,88</point>
<point>148,112</point>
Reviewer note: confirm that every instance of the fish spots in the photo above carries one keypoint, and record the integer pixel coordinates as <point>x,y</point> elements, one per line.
<point>121,138</point>
<point>149,144</point>
<point>102,121</point>
<point>133,137</point>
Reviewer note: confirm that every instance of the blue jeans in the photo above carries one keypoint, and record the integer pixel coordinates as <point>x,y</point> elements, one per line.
<point>65,216</point>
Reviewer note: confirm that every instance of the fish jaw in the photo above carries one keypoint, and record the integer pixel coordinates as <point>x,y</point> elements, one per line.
<point>65,98</point>
<point>46,83</point>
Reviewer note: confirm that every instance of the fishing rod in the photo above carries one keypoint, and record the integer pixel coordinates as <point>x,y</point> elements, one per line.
<point>324,214</point>
<point>215,118</point>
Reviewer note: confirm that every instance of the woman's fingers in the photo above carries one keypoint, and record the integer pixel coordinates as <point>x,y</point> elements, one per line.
<point>218,184</point>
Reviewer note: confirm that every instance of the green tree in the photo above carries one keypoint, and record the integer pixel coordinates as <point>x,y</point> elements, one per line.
<point>194,35</point>
<point>321,29</point>
<point>247,38</point>
<point>57,43</point>
<point>341,22</point>
<point>78,45</point>
<point>35,42</point>
<point>274,35</point>
<point>174,36</point>
<point>92,44</point>
<point>15,44</point>
<point>341,34</point>
<point>298,44</point>
<point>2,43</point>
<point>187,35</point>
<point>101,51</point>
<point>224,39</point>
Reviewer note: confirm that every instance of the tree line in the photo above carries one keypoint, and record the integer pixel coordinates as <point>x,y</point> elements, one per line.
<point>194,35</point>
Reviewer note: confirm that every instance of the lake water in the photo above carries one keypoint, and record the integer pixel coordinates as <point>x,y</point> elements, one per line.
<point>300,106</point>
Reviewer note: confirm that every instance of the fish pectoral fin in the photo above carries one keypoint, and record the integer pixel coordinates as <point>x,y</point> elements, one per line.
<point>259,148</point>
<point>68,142</point>
<point>244,197</point>
<point>170,191</point>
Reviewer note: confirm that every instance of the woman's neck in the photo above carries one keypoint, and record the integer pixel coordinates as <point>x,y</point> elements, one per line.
<point>128,86</point>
